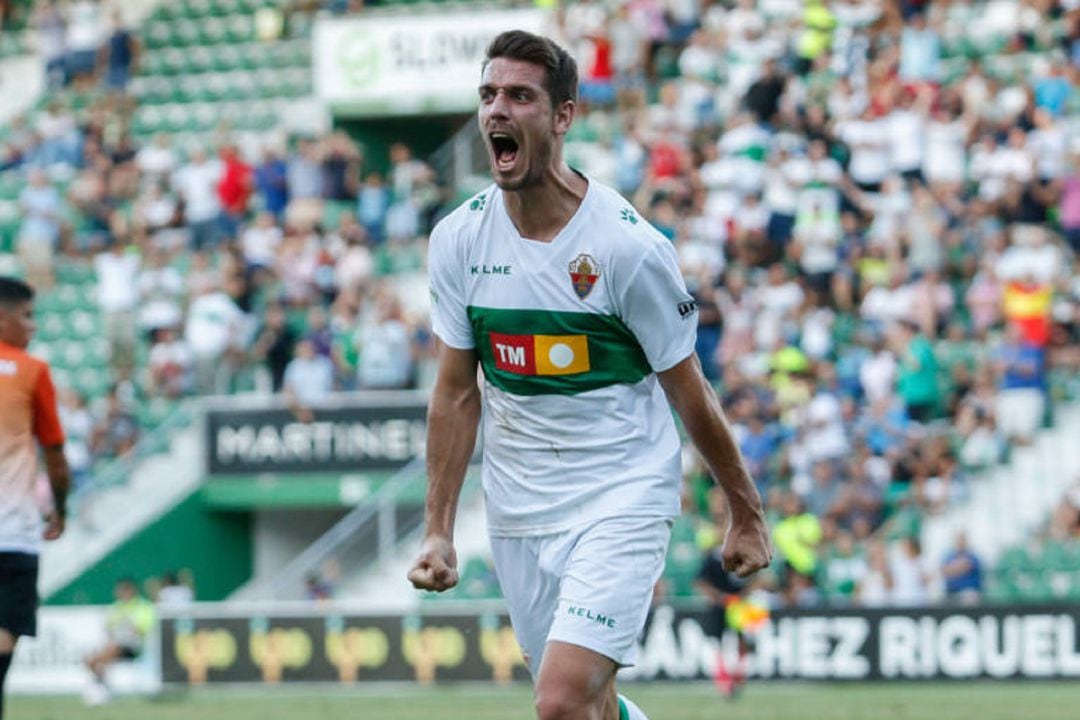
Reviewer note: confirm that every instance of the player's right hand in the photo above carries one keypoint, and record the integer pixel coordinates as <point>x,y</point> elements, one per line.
<point>436,567</point>
<point>54,526</point>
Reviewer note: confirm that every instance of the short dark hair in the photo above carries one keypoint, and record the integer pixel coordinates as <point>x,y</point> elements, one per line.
<point>561,75</point>
<point>14,290</point>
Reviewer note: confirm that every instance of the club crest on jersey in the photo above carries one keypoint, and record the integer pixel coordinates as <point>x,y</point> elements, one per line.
<point>584,272</point>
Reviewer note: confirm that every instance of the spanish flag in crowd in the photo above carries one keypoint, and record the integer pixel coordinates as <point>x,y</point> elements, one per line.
<point>1027,304</point>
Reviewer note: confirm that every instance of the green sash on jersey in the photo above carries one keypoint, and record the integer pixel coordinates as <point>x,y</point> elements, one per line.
<point>548,352</point>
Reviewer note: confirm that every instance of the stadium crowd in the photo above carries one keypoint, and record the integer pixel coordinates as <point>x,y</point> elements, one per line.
<point>876,206</point>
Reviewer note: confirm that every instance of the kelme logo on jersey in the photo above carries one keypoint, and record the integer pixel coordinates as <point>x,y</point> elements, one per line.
<point>540,354</point>
<point>584,272</point>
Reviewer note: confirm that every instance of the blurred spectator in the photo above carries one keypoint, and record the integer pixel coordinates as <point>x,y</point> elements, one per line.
<point>216,326</point>
<point>385,348</point>
<point>1065,521</point>
<point>157,160</point>
<point>233,190</point>
<point>85,35</point>
<point>174,593</point>
<point>842,569</point>
<point>372,207</point>
<point>340,165</point>
<point>309,379</point>
<point>196,183</point>
<point>355,263</point>
<point>117,271</point>
<point>119,52</point>
<point>273,345</point>
<point>160,293</point>
<point>920,50</point>
<point>909,576</point>
<point>304,176</point>
<point>874,590</point>
<point>1021,367</point>
<point>260,241</point>
<point>39,233</point>
<point>171,365</point>
<point>115,430</point>
<point>271,183</point>
<point>78,426</point>
<point>916,381</point>
<point>796,537</point>
<point>52,42</point>
<point>317,589</point>
<point>963,574</point>
<point>128,623</point>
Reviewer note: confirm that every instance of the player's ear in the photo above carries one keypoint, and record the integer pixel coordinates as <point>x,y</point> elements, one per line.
<point>564,116</point>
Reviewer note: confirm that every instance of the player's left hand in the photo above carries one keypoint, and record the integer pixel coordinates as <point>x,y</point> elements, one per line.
<point>747,548</point>
<point>54,526</point>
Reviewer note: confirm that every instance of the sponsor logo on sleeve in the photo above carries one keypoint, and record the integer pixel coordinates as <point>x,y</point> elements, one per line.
<point>687,308</point>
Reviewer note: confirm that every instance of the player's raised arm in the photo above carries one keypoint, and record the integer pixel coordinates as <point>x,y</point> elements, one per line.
<point>453,416</point>
<point>747,547</point>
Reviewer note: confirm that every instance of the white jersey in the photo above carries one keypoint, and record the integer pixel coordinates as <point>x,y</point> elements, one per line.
<point>569,334</point>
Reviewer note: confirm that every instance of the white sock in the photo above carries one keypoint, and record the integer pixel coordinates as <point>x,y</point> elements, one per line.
<point>629,711</point>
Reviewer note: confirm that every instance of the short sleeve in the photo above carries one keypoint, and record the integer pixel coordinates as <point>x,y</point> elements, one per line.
<point>446,281</point>
<point>659,310</point>
<point>47,427</point>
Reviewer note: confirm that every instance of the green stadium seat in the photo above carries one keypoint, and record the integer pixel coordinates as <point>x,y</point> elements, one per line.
<point>213,31</point>
<point>51,326</point>
<point>92,382</point>
<point>187,33</point>
<point>62,377</point>
<point>239,28</point>
<point>157,34</point>
<point>82,324</point>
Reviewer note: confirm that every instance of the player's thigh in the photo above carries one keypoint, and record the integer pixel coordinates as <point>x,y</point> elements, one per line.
<point>576,682</point>
<point>607,585</point>
<point>530,589</point>
<point>7,642</point>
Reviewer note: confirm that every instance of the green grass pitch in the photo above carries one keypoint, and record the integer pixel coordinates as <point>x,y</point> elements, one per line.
<point>662,701</point>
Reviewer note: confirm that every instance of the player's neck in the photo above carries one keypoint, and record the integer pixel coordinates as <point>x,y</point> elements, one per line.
<point>540,211</point>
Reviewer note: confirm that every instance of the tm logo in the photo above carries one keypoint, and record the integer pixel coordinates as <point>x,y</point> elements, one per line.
<point>590,615</point>
<point>629,216</point>
<point>358,56</point>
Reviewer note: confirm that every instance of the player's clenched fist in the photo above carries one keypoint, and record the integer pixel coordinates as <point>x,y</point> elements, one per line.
<point>436,567</point>
<point>747,548</point>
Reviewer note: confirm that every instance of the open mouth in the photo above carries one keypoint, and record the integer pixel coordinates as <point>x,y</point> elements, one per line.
<point>505,149</point>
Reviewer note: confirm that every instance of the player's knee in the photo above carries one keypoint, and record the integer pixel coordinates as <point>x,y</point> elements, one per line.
<point>562,704</point>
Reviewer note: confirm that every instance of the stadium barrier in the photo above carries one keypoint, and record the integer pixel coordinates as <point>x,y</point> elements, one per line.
<point>451,641</point>
<point>473,641</point>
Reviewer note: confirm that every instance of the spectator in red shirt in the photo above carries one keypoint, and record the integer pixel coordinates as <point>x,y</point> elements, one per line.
<point>234,189</point>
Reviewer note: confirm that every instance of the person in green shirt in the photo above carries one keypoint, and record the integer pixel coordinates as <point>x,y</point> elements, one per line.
<point>128,622</point>
<point>917,379</point>
<point>841,570</point>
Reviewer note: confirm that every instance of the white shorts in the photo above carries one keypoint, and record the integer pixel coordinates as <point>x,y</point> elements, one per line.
<point>590,587</point>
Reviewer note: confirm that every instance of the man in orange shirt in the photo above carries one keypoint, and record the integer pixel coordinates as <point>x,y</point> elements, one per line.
<point>28,418</point>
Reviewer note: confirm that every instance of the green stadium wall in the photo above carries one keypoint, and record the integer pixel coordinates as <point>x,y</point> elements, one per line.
<point>215,546</point>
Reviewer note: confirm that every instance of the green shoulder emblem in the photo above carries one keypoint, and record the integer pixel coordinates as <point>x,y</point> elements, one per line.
<point>629,216</point>
<point>478,202</point>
